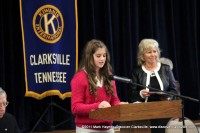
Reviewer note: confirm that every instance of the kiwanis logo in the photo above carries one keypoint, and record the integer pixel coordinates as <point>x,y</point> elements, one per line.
<point>48,23</point>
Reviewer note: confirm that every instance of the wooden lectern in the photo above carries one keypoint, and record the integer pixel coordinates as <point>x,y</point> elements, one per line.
<point>135,117</point>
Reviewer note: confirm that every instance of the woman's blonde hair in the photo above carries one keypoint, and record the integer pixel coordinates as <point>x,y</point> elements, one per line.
<point>145,45</point>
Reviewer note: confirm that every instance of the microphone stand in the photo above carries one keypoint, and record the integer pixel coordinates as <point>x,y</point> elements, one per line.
<point>171,94</point>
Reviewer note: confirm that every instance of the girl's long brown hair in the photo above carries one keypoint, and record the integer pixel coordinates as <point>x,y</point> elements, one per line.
<point>87,63</point>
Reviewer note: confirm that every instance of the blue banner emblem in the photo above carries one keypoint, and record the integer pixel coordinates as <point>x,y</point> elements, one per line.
<point>50,46</point>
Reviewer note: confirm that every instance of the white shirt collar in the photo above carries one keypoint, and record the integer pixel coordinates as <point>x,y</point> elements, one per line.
<point>99,83</point>
<point>156,70</point>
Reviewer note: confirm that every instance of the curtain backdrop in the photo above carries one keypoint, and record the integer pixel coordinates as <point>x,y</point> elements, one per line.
<point>121,24</point>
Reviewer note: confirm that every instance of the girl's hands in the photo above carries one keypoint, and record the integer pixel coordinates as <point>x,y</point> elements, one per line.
<point>104,104</point>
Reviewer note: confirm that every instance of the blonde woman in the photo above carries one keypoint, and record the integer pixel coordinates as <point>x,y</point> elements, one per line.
<point>151,73</point>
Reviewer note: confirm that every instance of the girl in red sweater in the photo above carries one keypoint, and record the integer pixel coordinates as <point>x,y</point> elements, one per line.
<point>92,89</point>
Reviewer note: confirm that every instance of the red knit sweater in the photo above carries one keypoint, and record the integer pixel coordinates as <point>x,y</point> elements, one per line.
<point>83,102</point>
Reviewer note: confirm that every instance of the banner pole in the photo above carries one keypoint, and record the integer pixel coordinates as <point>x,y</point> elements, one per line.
<point>50,107</point>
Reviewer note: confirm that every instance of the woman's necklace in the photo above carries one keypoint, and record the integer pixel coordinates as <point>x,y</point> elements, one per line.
<point>150,68</point>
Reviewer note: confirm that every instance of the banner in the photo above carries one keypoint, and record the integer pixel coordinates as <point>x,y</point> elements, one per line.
<point>50,46</point>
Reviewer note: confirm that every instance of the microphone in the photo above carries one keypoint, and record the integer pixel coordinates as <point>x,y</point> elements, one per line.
<point>121,79</point>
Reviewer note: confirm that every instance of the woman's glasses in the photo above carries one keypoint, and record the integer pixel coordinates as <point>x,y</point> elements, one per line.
<point>4,104</point>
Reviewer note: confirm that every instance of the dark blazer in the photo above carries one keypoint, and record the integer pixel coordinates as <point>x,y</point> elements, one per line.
<point>139,76</point>
<point>8,124</point>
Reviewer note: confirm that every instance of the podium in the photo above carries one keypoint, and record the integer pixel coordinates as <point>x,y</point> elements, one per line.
<point>135,117</point>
